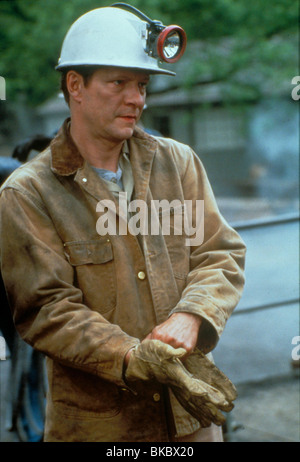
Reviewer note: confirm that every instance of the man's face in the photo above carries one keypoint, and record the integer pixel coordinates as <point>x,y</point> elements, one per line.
<point>112,102</point>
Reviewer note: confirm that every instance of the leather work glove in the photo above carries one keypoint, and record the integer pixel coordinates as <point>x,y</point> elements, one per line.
<point>217,395</point>
<point>153,359</point>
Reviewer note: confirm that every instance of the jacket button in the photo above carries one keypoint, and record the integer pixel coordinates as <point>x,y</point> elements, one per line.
<point>156,397</point>
<point>84,180</point>
<point>141,275</point>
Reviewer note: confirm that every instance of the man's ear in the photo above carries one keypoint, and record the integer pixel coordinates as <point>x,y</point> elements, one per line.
<point>74,82</point>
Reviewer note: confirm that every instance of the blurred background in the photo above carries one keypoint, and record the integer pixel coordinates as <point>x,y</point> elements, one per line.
<point>233,101</point>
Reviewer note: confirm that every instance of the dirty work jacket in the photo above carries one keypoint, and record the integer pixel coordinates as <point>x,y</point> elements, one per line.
<point>84,299</point>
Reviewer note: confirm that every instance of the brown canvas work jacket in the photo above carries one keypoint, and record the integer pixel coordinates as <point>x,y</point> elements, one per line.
<point>84,299</point>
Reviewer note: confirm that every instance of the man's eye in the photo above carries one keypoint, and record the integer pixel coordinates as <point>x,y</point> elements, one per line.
<point>143,85</point>
<point>118,82</point>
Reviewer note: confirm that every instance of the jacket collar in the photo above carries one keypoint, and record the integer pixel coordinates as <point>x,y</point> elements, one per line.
<point>66,159</point>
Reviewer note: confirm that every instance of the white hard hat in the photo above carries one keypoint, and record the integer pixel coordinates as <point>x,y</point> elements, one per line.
<point>110,36</point>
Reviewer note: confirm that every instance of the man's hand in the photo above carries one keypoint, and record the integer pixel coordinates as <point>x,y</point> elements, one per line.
<point>180,331</point>
<point>204,399</point>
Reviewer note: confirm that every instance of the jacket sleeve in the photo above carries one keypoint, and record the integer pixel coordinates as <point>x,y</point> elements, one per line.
<point>216,277</point>
<point>48,309</point>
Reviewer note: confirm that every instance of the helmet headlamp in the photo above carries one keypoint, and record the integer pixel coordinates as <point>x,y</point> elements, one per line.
<point>167,43</point>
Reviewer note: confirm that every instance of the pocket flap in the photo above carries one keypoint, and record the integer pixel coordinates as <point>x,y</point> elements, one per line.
<point>88,252</point>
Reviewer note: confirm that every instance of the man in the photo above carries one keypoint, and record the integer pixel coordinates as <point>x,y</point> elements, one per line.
<point>118,314</point>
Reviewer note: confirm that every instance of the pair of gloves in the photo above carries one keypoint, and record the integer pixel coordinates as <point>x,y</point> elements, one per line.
<point>199,386</point>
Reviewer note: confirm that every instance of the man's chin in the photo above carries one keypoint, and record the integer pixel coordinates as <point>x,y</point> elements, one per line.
<point>120,134</point>
<point>127,133</point>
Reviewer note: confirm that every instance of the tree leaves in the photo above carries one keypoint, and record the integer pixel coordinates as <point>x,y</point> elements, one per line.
<point>261,36</point>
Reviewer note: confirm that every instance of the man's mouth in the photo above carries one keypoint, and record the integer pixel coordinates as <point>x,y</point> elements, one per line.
<point>128,118</point>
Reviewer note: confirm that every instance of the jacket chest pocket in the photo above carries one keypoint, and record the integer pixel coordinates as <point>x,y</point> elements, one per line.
<point>93,263</point>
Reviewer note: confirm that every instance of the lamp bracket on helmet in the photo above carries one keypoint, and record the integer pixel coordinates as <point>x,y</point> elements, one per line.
<point>167,43</point>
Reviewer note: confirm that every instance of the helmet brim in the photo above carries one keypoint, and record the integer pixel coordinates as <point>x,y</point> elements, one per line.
<point>148,70</point>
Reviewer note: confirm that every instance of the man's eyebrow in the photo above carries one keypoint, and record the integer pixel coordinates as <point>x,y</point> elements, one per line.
<point>121,76</point>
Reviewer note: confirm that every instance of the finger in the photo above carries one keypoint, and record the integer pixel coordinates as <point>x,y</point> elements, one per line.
<point>212,395</point>
<point>202,368</point>
<point>167,351</point>
<point>149,336</point>
<point>157,351</point>
<point>198,390</point>
<point>204,412</point>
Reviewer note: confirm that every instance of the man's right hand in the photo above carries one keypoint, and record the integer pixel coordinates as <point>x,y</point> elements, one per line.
<point>153,359</point>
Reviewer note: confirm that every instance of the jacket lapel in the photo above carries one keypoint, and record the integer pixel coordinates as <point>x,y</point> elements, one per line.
<point>142,153</point>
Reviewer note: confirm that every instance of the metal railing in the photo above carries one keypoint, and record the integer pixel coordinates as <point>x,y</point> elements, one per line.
<point>270,221</point>
<point>259,223</point>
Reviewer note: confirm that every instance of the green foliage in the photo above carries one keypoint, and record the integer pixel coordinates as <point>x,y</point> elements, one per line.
<point>260,40</point>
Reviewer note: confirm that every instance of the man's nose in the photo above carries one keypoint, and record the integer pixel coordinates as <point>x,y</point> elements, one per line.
<point>135,95</point>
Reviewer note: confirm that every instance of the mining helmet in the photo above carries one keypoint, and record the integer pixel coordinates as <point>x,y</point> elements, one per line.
<point>121,36</point>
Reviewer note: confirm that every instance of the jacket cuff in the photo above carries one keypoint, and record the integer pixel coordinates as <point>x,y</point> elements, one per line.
<point>209,333</point>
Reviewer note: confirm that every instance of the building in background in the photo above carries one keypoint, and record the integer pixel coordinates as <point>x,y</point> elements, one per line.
<point>247,141</point>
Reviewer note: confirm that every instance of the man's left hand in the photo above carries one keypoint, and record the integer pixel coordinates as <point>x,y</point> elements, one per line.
<point>180,330</point>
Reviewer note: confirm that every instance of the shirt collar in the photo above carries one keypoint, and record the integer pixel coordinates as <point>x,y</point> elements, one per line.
<point>65,157</point>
